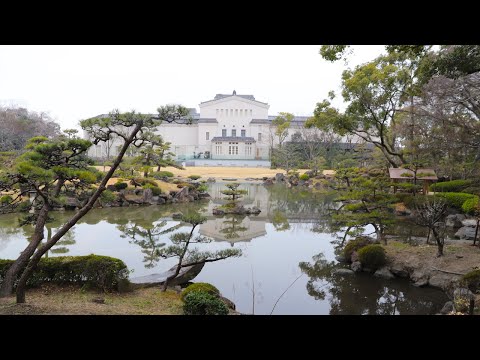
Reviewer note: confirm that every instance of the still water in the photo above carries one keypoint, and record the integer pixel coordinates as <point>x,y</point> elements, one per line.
<point>290,245</point>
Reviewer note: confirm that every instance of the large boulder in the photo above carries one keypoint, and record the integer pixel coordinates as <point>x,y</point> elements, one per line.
<point>279,177</point>
<point>181,195</point>
<point>356,266</point>
<point>454,221</point>
<point>268,182</point>
<point>461,299</point>
<point>147,196</point>
<point>469,222</point>
<point>466,232</point>
<point>204,196</point>
<point>447,308</point>
<point>218,212</point>
<point>255,210</point>
<point>211,180</point>
<point>71,203</point>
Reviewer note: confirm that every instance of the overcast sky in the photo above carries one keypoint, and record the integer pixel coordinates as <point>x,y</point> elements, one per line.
<point>77,82</point>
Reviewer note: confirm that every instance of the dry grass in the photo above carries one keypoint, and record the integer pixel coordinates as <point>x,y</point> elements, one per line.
<point>73,301</point>
<point>459,258</point>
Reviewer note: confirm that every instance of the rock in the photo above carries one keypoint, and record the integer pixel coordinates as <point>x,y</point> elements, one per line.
<point>111,188</point>
<point>461,299</point>
<point>354,257</point>
<point>279,177</point>
<point>230,304</point>
<point>147,195</point>
<point>161,200</point>
<point>465,232</point>
<point>398,270</point>
<point>204,196</point>
<point>447,308</point>
<point>318,185</point>
<point>454,221</point>
<point>218,212</point>
<point>301,183</point>
<point>189,198</point>
<point>134,199</point>
<point>268,182</point>
<point>442,281</point>
<point>384,273</point>
<point>469,222</point>
<point>342,272</point>
<point>177,216</point>
<point>238,210</point>
<point>180,196</point>
<point>71,203</point>
<point>421,283</point>
<point>211,180</point>
<point>341,258</point>
<point>356,266</point>
<point>255,210</point>
<point>186,274</point>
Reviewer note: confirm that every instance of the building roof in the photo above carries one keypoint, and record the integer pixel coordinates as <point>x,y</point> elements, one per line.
<point>207,120</point>
<point>234,138</point>
<point>223,96</point>
<point>396,173</point>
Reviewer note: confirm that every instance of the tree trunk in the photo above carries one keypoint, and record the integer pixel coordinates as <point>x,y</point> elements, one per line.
<point>6,288</point>
<point>439,242</point>
<point>158,168</point>
<point>476,233</point>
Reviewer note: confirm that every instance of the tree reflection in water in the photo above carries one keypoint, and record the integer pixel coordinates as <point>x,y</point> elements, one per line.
<point>232,226</point>
<point>148,236</point>
<point>363,294</point>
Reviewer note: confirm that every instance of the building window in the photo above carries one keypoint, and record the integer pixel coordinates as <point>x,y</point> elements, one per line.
<point>218,149</point>
<point>224,132</point>
<point>259,136</point>
<point>217,112</point>
<point>248,150</point>
<point>207,136</point>
<point>221,112</point>
<point>234,132</point>
<point>244,133</point>
<point>236,112</point>
<point>233,150</point>
<point>241,112</point>
<point>250,112</point>
<point>231,112</point>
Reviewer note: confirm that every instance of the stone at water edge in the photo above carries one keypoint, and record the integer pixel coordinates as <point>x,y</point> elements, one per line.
<point>469,222</point>
<point>447,308</point>
<point>218,212</point>
<point>279,177</point>
<point>342,272</point>
<point>421,283</point>
<point>454,221</point>
<point>384,273</point>
<point>356,266</point>
<point>186,274</point>
<point>466,232</point>
<point>177,216</point>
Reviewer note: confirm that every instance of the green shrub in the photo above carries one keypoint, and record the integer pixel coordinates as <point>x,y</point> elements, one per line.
<point>205,287</point>
<point>450,186</point>
<point>472,280</point>
<point>194,177</point>
<point>120,186</point>
<point>108,196</point>
<point>202,188</point>
<point>372,256</point>
<point>162,174</point>
<point>455,199</point>
<point>24,206</point>
<point>470,205</point>
<point>145,181</point>
<point>5,199</point>
<point>155,189</point>
<point>355,245</point>
<point>97,173</point>
<point>99,272</point>
<point>304,177</point>
<point>202,303</point>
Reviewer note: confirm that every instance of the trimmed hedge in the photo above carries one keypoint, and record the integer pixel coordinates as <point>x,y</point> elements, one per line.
<point>355,245</point>
<point>120,186</point>
<point>204,287</point>
<point>372,256</point>
<point>194,177</point>
<point>450,186</point>
<point>162,174</point>
<point>96,271</point>
<point>470,205</point>
<point>202,303</point>
<point>456,199</point>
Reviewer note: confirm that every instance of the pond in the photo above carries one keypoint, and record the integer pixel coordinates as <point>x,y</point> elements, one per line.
<point>289,249</point>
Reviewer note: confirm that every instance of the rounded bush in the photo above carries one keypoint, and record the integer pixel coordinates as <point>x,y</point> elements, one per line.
<point>455,199</point>
<point>202,303</point>
<point>372,256</point>
<point>108,196</point>
<point>205,287</point>
<point>472,280</point>
<point>304,177</point>
<point>5,199</point>
<point>355,245</point>
<point>194,177</point>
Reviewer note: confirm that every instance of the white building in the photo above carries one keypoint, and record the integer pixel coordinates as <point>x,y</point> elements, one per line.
<point>229,130</point>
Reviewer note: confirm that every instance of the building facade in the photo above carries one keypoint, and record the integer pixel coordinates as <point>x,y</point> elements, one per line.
<point>229,130</point>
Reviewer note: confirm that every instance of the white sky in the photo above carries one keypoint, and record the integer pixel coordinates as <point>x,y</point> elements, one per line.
<point>77,82</point>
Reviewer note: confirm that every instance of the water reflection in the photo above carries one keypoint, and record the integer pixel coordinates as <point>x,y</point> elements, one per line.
<point>359,295</point>
<point>293,234</point>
